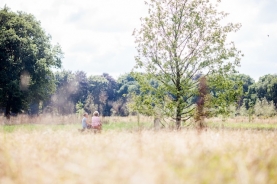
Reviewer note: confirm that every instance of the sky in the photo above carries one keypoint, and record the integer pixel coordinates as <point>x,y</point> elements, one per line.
<point>96,35</point>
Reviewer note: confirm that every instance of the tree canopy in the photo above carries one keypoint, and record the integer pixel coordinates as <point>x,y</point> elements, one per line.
<point>26,56</point>
<point>177,41</point>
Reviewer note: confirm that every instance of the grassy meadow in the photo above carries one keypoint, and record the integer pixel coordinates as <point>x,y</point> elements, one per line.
<point>52,150</point>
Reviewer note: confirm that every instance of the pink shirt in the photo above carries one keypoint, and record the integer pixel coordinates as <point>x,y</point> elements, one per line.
<point>95,121</point>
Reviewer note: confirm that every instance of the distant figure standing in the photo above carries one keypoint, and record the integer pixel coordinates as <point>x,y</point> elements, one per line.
<point>85,123</point>
<point>96,121</point>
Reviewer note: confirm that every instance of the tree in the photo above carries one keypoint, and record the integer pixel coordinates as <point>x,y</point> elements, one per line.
<point>64,99</point>
<point>111,94</point>
<point>264,108</point>
<point>98,89</point>
<point>127,86</point>
<point>81,87</point>
<point>178,40</point>
<point>266,87</point>
<point>26,56</point>
<point>246,82</point>
<point>224,95</point>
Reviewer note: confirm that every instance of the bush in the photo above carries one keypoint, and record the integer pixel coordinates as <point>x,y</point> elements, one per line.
<point>264,108</point>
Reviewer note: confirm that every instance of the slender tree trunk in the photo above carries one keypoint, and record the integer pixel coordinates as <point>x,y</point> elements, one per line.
<point>178,98</point>
<point>178,117</point>
<point>8,108</point>
<point>178,81</point>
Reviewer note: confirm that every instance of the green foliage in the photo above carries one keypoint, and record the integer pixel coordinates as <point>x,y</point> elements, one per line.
<point>26,56</point>
<point>64,98</point>
<point>111,92</point>
<point>82,87</point>
<point>152,99</point>
<point>264,108</point>
<point>176,42</point>
<point>266,87</point>
<point>247,82</point>
<point>96,92</point>
<point>224,94</point>
<point>126,86</point>
<point>89,106</point>
<point>80,108</point>
<point>98,86</point>
<point>243,110</point>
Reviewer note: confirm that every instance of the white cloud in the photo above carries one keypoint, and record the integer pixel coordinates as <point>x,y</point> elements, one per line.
<point>96,36</point>
<point>257,37</point>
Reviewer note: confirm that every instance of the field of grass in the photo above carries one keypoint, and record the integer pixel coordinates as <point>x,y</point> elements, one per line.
<point>127,152</point>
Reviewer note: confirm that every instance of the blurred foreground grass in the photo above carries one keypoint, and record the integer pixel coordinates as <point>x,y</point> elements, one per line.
<point>61,155</point>
<point>128,152</point>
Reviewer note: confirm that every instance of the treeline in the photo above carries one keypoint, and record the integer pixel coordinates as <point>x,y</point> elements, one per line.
<point>77,92</point>
<point>259,98</point>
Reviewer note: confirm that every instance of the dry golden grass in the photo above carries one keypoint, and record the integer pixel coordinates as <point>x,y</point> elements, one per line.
<point>41,119</point>
<point>242,119</point>
<point>68,119</point>
<point>169,123</point>
<point>67,156</point>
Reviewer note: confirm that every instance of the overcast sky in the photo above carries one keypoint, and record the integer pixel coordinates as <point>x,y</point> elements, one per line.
<point>96,35</point>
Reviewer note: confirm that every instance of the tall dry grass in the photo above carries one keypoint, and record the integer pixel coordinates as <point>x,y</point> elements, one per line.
<point>187,156</point>
<point>41,119</point>
<point>67,119</point>
<point>243,119</point>
<point>76,119</point>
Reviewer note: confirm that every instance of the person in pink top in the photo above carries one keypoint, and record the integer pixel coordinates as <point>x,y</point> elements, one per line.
<point>96,121</point>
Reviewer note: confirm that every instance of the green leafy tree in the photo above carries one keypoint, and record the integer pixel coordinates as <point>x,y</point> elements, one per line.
<point>127,86</point>
<point>250,98</point>
<point>151,99</point>
<point>98,86</point>
<point>80,109</point>
<point>243,111</point>
<point>26,56</point>
<point>224,94</point>
<point>82,87</point>
<point>111,94</point>
<point>89,106</point>
<point>64,99</point>
<point>247,82</point>
<point>264,108</point>
<point>266,87</point>
<point>178,40</point>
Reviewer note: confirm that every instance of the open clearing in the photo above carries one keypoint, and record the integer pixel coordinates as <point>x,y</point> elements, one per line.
<point>61,154</point>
